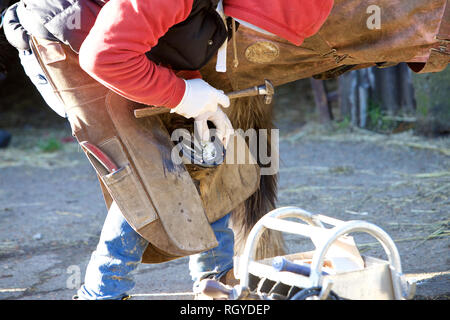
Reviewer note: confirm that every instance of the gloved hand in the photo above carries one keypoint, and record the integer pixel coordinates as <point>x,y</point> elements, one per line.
<point>200,101</point>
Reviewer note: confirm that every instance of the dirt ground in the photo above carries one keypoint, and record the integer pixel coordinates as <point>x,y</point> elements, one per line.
<point>52,210</point>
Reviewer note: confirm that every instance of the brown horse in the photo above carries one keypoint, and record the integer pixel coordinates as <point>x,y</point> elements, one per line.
<point>357,34</point>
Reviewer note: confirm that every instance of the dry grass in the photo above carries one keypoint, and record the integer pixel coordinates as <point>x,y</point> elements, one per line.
<point>440,230</point>
<point>43,148</point>
<point>313,131</point>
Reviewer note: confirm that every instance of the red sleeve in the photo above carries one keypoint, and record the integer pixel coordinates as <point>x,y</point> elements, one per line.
<point>114,51</point>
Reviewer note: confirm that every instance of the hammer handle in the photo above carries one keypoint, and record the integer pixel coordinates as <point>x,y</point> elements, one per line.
<point>150,111</point>
<point>243,93</point>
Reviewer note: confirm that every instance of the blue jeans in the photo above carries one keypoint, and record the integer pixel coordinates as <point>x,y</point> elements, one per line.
<point>120,249</point>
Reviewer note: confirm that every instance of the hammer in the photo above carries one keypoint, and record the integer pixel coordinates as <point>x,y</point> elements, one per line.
<point>267,90</point>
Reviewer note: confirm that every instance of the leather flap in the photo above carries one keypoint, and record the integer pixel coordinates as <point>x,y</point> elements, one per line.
<point>168,185</point>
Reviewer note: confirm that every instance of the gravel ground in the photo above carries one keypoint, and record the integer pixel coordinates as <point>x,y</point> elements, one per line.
<point>52,210</point>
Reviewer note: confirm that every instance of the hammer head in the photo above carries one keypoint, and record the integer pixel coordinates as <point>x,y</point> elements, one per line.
<point>267,90</point>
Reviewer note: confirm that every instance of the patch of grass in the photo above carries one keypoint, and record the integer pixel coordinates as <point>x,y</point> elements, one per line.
<point>49,145</point>
<point>377,120</point>
<point>344,124</point>
<point>375,114</point>
<point>422,110</point>
<point>345,170</point>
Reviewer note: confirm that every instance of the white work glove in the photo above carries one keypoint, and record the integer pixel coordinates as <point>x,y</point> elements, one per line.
<point>201,101</point>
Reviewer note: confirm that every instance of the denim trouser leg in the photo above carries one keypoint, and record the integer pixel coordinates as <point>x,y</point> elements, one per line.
<point>120,249</point>
<point>216,261</point>
<point>118,253</point>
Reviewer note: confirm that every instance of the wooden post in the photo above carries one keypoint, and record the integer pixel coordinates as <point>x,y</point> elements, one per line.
<point>321,100</point>
<point>348,96</point>
<point>388,90</point>
<point>364,88</point>
<point>433,102</point>
<point>407,98</point>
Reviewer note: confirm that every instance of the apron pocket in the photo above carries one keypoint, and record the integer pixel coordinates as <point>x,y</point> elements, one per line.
<point>127,191</point>
<point>124,186</point>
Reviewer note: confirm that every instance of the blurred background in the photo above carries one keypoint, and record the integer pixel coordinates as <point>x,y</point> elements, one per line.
<point>386,100</point>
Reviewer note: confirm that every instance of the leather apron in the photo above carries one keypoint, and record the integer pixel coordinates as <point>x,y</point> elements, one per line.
<point>157,196</point>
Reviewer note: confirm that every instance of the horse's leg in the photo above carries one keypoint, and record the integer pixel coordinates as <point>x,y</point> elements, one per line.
<point>252,113</point>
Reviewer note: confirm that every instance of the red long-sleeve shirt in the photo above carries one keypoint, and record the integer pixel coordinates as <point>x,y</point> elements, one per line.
<point>114,51</point>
